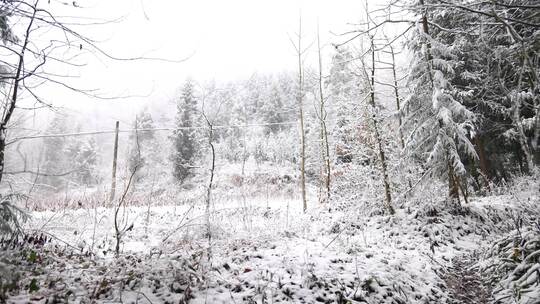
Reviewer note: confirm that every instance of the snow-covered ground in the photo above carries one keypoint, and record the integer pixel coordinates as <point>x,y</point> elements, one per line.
<point>262,249</point>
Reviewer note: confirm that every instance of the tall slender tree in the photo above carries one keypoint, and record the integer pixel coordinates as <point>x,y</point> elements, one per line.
<point>299,48</point>
<point>322,116</point>
<point>375,120</point>
<point>300,99</point>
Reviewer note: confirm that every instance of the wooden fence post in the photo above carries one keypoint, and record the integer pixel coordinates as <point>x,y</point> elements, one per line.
<point>115,156</point>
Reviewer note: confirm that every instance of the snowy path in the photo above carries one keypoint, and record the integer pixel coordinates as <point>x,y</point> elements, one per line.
<point>465,282</point>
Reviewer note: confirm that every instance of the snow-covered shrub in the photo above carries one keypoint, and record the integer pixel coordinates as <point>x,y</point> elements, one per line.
<point>513,266</point>
<point>520,184</point>
<point>355,184</point>
<point>11,216</point>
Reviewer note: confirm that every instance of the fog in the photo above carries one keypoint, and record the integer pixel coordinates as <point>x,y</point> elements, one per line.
<point>205,40</point>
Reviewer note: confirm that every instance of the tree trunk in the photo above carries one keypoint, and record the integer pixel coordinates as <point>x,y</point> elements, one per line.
<point>10,108</point>
<point>484,166</point>
<point>398,100</point>
<point>211,181</point>
<point>453,190</point>
<point>325,147</point>
<point>380,144</point>
<point>2,151</point>
<point>210,184</point>
<point>398,104</point>
<point>115,157</point>
<point>522,139</point>
<point>300,99</point>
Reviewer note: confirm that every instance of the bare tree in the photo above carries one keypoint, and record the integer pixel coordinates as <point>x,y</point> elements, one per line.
<point>322,115</point>
<point>374,119</point>
<point>300,100</point>
<point>210,124</point>
<point>395,87</point>
<point>28,63</point>
<point>210,180</point>
<point>21,73</point>
<point>121,222</point>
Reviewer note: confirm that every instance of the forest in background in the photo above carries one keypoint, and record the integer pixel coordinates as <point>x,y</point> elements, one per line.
<point>464,111</point>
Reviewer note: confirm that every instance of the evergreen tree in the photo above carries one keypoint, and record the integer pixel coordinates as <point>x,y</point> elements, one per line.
<point>235,138</point>
<point>6,36</point>
<point>489,70</point>
<point>55,161</point>
<point>344,97</point>
<point>82,152</point>
<point>272,111</point>
<point>498,82</point>
<point>439,125</point>
<point>184,140</point>
<point>69,158</point>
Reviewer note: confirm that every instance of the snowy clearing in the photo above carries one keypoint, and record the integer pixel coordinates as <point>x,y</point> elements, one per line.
<point>261,252</point>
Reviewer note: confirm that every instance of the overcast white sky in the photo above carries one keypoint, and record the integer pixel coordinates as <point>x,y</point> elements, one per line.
<point>228,40</point>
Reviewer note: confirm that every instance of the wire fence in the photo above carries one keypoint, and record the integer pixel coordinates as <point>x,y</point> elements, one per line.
<point>36,163</point>
<point>112,131</point>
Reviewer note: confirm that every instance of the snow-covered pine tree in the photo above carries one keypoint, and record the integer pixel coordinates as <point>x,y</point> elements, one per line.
<point>185,145</point>
<point>494,76</point>
<point>234,140</point>
<point>83,153</point>
<point>344,89</point>
<point>55,162</point>
<point>11,216</point>
<point>507,48</point>
<point>68,158</point>
<point>439,126</point>
<point>272,109</point>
